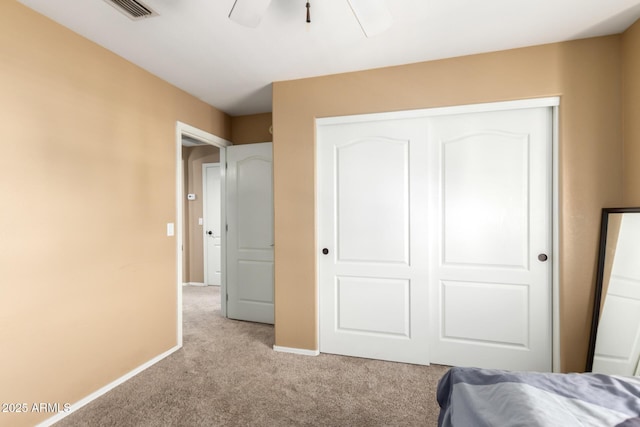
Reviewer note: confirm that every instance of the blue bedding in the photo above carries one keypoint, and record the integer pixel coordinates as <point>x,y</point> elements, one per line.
<point>486,397</point>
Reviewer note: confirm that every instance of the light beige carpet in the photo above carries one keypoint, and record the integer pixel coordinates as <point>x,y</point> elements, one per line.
<point>227,374</point>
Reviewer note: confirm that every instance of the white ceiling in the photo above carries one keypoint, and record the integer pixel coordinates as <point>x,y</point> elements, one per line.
<point>196,47</point>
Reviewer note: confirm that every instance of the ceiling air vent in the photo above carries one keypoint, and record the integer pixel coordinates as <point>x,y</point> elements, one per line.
<point>133,8</point>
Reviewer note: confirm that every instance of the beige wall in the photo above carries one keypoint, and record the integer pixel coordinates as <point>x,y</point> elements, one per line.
<point>631,114</point>
<point>584,73</point>
<point>87,173</point>
<point>590,179</point>
<point>251,128</point>
<point>193,158</point>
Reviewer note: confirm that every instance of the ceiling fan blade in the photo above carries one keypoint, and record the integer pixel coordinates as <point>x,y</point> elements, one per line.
<point>248,12</point>
<point>372,15</point>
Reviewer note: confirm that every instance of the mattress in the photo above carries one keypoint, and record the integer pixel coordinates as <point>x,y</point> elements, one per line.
<point>486,397</point>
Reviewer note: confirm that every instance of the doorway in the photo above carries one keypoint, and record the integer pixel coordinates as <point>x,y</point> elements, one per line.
<point>197,194</point>
<point>246,210</point>
<point>194,137</point>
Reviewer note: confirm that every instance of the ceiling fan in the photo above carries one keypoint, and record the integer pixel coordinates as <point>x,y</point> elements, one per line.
<point>372,15</point>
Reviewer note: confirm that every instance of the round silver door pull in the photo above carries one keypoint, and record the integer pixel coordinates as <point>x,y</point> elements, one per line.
<point>543,257</point>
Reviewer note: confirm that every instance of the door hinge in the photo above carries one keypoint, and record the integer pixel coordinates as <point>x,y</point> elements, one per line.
<point>226,165</point>
<point>227,298</point>
<point>226,227</point>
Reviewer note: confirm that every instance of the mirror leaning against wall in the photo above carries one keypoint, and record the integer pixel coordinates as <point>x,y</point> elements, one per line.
<point>614,346</point>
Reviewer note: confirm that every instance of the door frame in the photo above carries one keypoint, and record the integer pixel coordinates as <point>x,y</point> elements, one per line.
<point>205,195</point>
<point>550,102</point>
<point>183,129</point>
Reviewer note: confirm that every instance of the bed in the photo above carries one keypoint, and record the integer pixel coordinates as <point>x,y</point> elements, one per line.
<point>487,397</point>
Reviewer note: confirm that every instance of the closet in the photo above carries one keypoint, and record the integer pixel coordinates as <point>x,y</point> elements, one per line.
<point>434,233</point>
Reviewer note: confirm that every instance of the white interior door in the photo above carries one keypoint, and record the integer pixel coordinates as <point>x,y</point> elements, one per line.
<point>618,346</point>
<point>434,238</point>
<point>249,206</point>
<point>491,229</point>
<point>372,236</point>
<point>212,224</point>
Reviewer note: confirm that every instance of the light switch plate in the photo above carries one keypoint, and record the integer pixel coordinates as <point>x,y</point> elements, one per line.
<point>170,229</point>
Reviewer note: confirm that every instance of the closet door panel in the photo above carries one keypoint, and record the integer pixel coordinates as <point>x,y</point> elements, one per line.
<point>491,229</point>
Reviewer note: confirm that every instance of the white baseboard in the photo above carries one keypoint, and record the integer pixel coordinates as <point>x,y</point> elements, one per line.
<point>193,284</point>
<point>302,351</point>
<point>93,396</point>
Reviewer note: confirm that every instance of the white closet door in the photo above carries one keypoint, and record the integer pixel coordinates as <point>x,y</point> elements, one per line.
<point>249,205</point>
<point>372,187</point>
<point>491,237</point>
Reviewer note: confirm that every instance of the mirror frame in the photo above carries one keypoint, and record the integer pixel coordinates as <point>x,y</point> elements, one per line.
<point>597,300</point>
